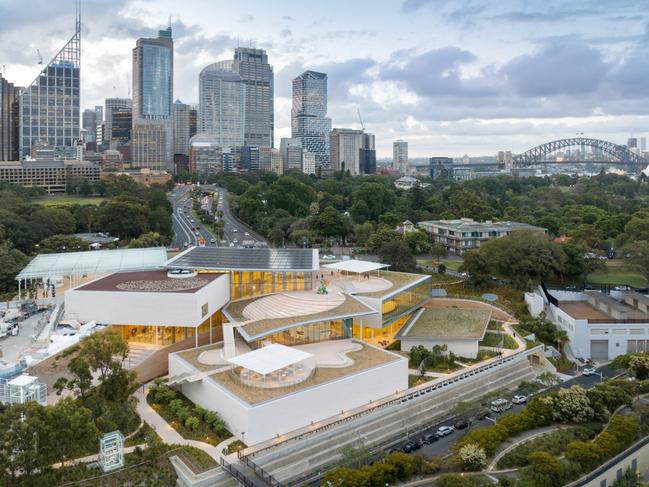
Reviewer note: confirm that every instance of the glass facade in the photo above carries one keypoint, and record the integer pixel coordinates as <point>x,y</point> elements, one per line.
<point>309,122</point>
<point>162,336</point>
<point>222,104</point>
<point>402,302</point>
<point>378,335</point>
<point>49,107</point>
<point>311,333</point>
<point>250,284</point>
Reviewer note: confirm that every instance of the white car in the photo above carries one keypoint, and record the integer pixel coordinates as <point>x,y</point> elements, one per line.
<point>444,431</point>
<point>247,234</point>
<point>235,230</point>
<point>519,399</point>
<point>328,257</point>
<point>235,241</point>
<point>231,244</point>
<point>589,371</point>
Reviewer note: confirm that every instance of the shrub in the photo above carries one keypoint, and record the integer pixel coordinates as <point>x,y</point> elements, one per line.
<point>192,423</point>
<point>473,457</point>
<point>453,480</point>
<point>570,405</point>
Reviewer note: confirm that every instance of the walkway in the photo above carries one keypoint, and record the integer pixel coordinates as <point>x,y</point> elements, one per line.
<point>522,438</point>
<point>170,435</point>
<point>95,457</point>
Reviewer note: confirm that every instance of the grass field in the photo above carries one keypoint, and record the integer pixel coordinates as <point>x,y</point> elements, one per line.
<point>453,264</point>
<point>70,200</point>
<point>617,272</point>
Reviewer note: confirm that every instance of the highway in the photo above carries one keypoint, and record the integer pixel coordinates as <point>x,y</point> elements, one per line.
<point>234,233</point>
<point>442,446</point>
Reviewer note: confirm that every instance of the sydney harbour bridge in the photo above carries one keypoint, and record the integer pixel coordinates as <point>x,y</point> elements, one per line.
<point>619,154</point>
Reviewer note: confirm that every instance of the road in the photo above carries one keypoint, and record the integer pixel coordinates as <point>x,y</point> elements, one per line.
<point>442,446</point>
<point>184,229</point>
<point>234,233</point>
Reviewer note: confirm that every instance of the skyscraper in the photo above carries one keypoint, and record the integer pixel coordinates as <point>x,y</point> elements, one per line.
<point>400,156</point>
<point>309,122</point>
<point>222,104</point>
<point>9,120</point>
<point>153,69</point>
<point>291,153</point>
<point>49,107</point>
<point>89,125</point>
<point>113,105</point>
<point>345,150</point>
<point>181,128</point>
<point>252,65</point>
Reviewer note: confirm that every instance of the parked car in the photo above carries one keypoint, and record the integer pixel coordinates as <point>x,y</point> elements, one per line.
<point>247,234</point>
<point>589,371</point>
<point>213,241</point>
<point>328,257</point>
<point>500,405</point>
<point>461,423</point>
<point>519,399</point>
<point>429,438</point>
<point>444,431</point>
<point>410,446</point>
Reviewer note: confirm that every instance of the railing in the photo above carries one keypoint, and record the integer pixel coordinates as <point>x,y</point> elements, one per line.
<point>236,474</point>
<point>261,473</point>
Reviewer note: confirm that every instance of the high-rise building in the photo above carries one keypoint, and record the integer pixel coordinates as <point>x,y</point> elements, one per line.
<point>291,153</point>
<point>205,155</point>
<point>249,160</point>
<point>252,65</point>
<point>9,120</point>
<point>642,144</point>
<point>121,126</point>
<point>89,125</point>
<point>400,156</point>
<point>345,151</point>
<point>308,162</point>
<point>276,162</point>
<point>181,128</point>
<point>266,157</point>
<point>193,120</point>
<point>222,104</point>
<point>50,106</point>
<point>112,106</point>
<point>99,112</point>
<point>309,122</point>
<point>632,143</point>
<point>149,145</point>
<point>153,70</point>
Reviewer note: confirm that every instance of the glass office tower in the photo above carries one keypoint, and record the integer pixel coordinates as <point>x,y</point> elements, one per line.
<point>309,123</point>
<point>222,104</point>
<point>49,107</point>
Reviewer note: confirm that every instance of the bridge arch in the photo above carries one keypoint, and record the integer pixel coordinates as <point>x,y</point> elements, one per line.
<point>539,153</point>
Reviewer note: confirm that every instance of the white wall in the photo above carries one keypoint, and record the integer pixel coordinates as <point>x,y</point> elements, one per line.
<point>265,420</point>
<point>141,308</point>
<point>535,303</point>
<point>461,348</point>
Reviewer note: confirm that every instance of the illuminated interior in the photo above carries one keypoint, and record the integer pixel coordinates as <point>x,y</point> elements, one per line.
<point>162,335</point>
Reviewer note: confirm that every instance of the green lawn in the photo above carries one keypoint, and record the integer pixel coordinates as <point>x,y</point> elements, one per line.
<point>494,339</point>
<point>617,272</point>
<point>70,200</point>
<point>453,264</point>
<point>450,322</point>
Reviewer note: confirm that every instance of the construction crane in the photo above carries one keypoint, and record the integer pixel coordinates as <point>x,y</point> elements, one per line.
<point>360,119</point>
<point>40,58</point>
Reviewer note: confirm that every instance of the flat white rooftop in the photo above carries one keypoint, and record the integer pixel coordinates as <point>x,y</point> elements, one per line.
<point>357,266</point>
<point>270,358</point>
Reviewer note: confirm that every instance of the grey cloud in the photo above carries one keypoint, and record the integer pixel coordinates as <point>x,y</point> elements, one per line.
<point>550,15</point>
<point>560,68</point>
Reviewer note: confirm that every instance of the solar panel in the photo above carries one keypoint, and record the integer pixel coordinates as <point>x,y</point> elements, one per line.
<point>235,259</point>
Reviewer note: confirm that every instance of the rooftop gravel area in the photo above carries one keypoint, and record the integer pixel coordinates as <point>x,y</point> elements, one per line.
<point>350,306</point>
<point>449,323</point>
<point>398,280</point>
<point>364,359</point>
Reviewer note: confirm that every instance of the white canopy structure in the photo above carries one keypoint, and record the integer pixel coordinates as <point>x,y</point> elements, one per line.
<point>270,358</point>
<point>356,266</point>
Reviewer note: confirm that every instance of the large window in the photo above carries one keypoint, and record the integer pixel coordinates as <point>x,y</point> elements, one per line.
<point>405,300</point>
<point>312,333</point>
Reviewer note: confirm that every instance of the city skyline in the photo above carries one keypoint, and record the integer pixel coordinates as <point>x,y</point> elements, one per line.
<point>441,78</point>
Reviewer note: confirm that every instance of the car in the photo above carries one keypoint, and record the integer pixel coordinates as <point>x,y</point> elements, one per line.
<point>197,234</point>
<point>192,220</point>
<point>235,230</point>
<point>500,405</point>
<point>235,241</point>
<point>411,446</point>
<point>621,288</point>
<point>213,241</point>
<point>461,423</point>
<point>443,431</point>
<point>589,371</point>
<point>231,244</point>
<point>185,245</point>
<point>247,234</point>
<point>519,399</point>
<point>429,438</point>
<point>571,287</point>
<point>329,257</point>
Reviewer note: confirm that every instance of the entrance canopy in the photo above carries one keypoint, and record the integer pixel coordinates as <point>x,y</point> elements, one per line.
<point>93,262</point>
<point>356,266</point>
<point>270,358</point>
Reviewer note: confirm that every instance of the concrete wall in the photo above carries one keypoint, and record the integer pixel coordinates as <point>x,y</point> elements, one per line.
<point>535,303</point>
<point>264,421</point>
<point>171,309</point>
<point>461,348</point>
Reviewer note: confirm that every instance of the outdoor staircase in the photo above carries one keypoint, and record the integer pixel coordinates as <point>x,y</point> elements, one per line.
<point>137,354</point>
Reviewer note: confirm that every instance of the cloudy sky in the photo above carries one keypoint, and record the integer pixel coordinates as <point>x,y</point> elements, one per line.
<point>449,76</point>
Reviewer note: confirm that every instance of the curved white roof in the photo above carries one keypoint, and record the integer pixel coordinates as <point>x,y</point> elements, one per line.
<point>94,262</point>
<point>357,266</point>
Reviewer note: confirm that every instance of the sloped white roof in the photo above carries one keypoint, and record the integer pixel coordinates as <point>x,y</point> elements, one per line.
<point>357,266</point>
<point>270,358</point>
<point>94,262</point>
